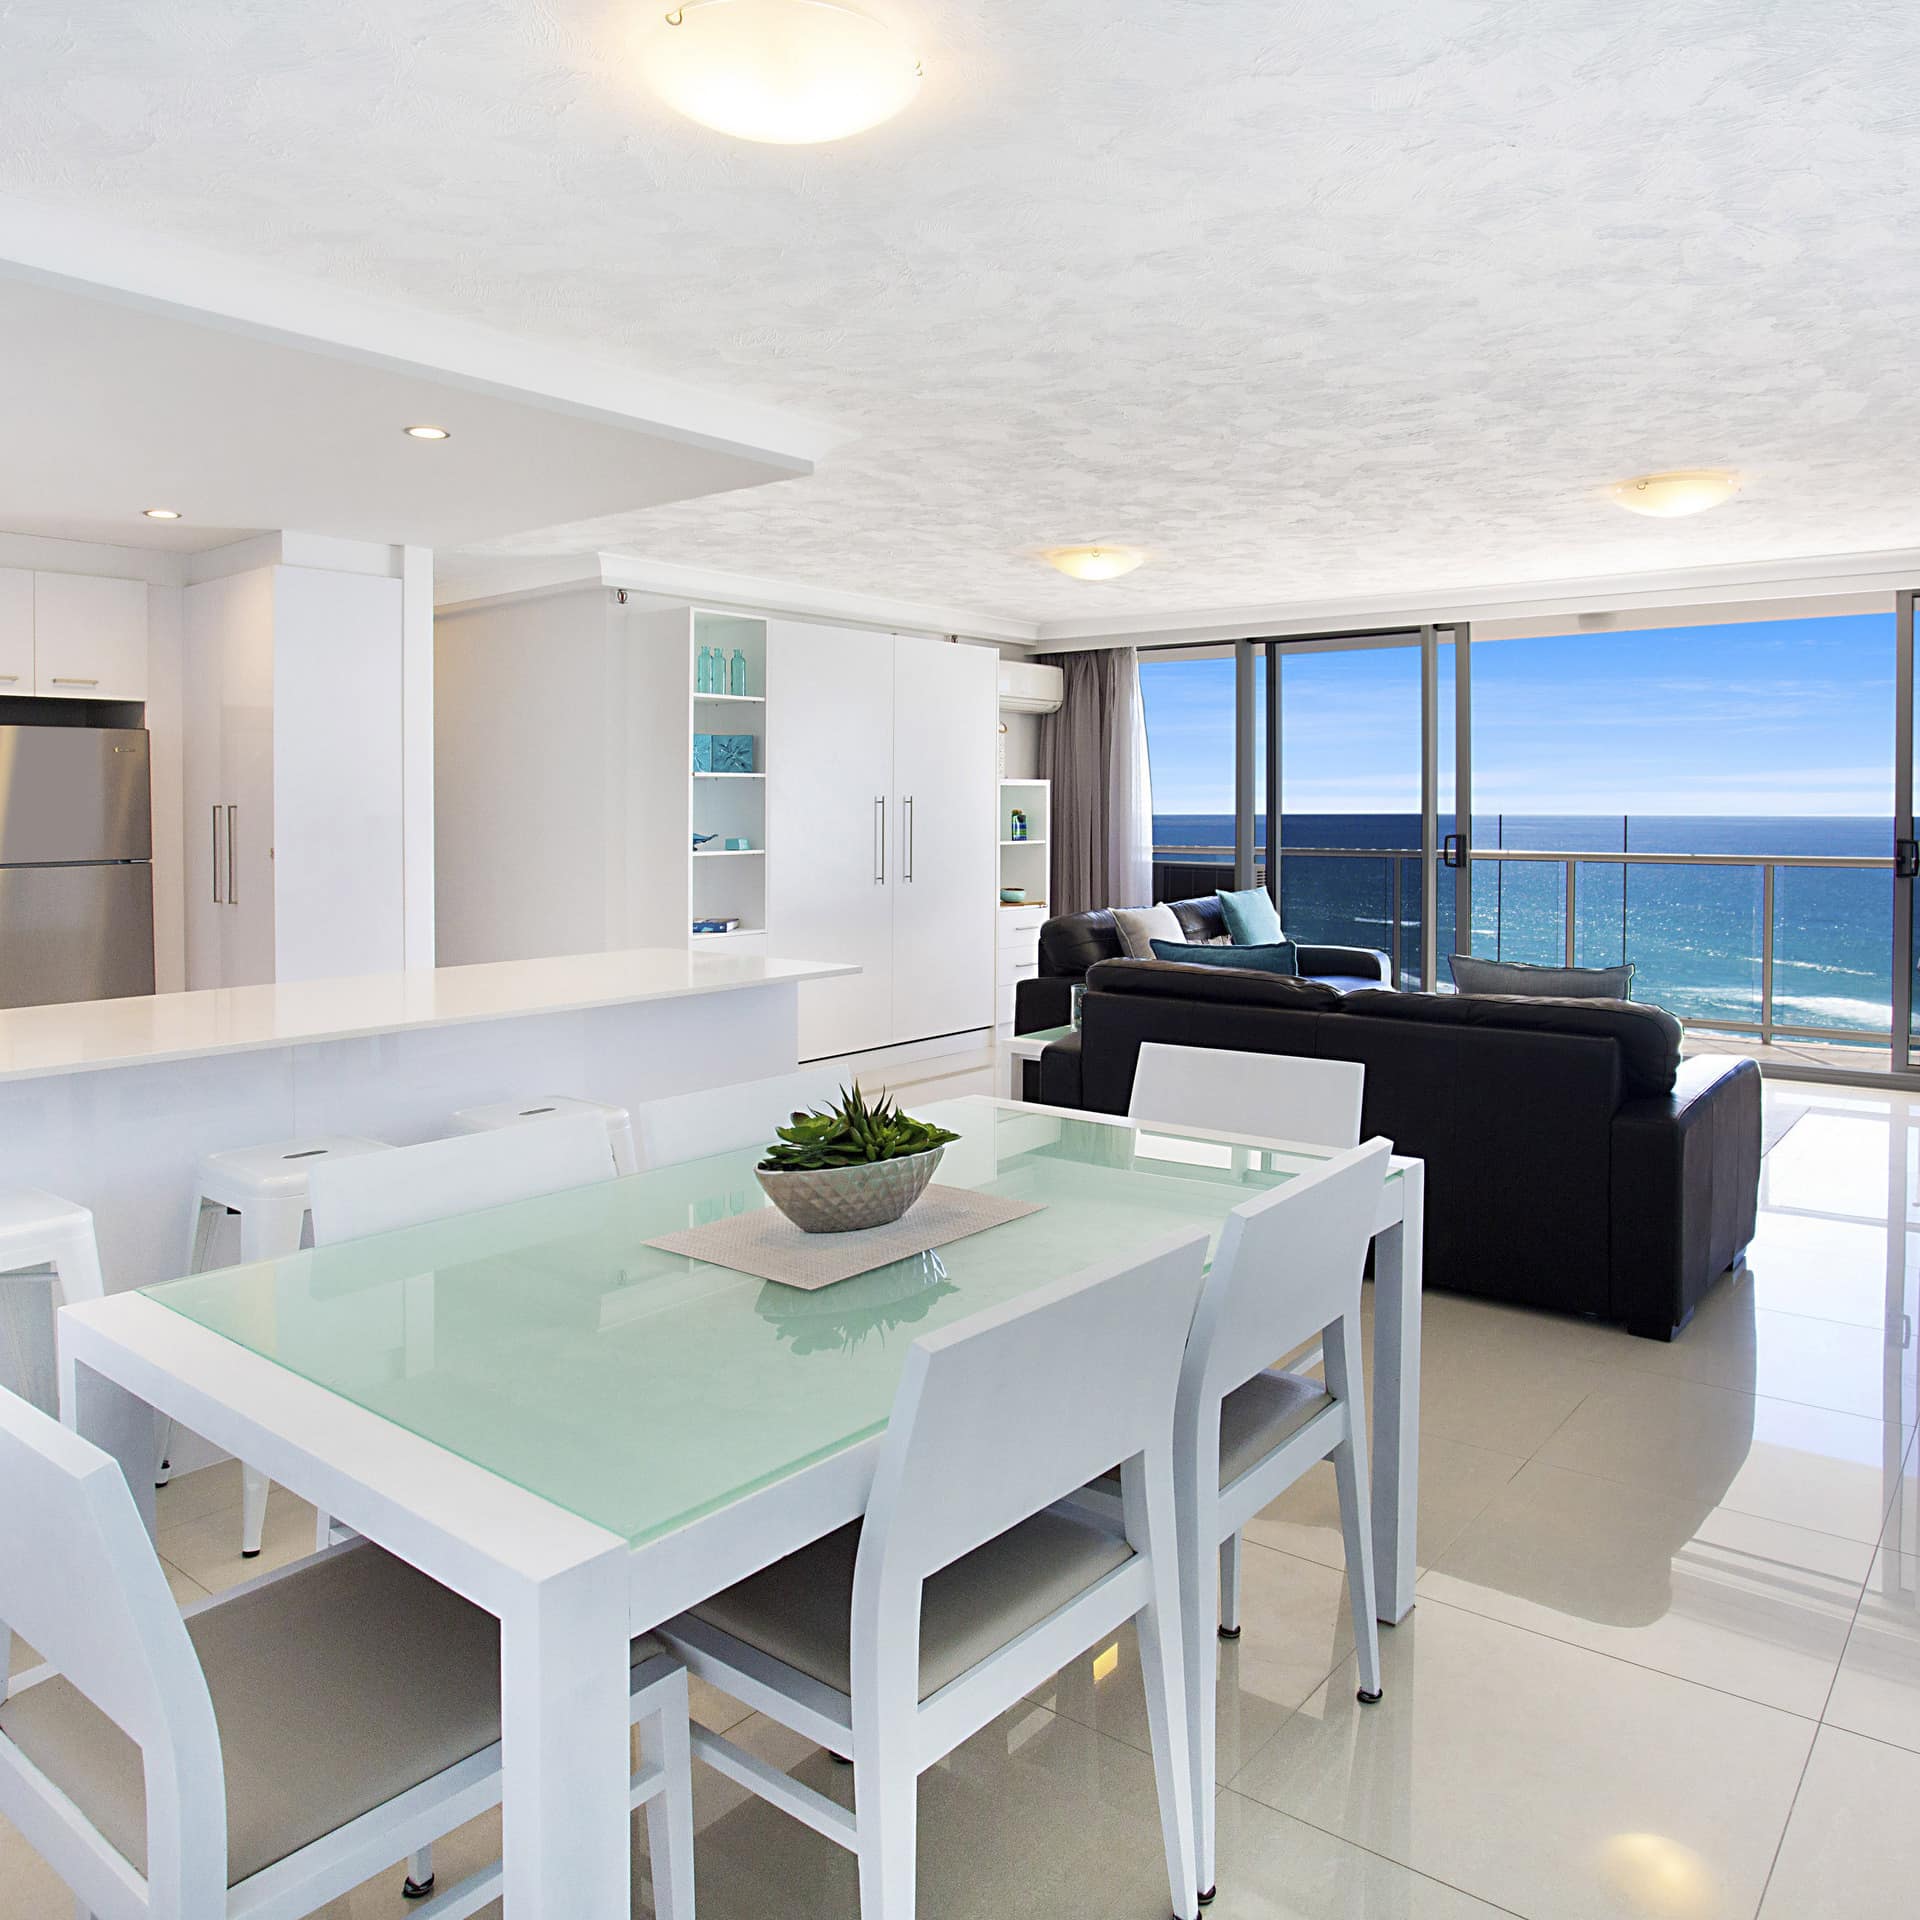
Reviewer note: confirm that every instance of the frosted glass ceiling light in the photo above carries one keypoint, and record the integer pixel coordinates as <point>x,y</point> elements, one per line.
<point>787,72</point>
<point>1095,563</point>
<point>1669,496</point>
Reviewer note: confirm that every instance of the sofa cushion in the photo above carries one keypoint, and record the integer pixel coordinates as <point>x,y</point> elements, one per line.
<point>1282,957</point>
<point>1228,985</point>
<point>1471,974</point>
<point>1648,1037</point>
<point>1252,919</point>
<point>1205,924</point>
<point>1139,927</point>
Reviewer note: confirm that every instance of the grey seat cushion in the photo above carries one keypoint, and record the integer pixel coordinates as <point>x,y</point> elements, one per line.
<point>1472,974</point>
<point>800,1608</point>
<point>335,1689</point>
<point>1255,1418</point>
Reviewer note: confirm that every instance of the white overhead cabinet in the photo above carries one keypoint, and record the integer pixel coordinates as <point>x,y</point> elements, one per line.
<point>291,715</point>
<point>880,784</point>
<point>71,636</point>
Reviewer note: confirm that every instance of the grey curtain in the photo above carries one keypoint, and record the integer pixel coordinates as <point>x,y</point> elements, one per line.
<point>1094,750</point>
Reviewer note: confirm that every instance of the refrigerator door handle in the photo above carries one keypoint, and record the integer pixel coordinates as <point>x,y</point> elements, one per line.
<point>216,856</point>
<point>233,892</point>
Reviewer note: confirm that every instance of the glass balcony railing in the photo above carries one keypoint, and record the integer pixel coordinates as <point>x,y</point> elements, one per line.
<point>1787,946</point>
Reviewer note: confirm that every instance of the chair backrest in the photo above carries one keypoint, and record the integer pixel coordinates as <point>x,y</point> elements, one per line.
<point>690,1126</point>
<point>1275,1096</point>
<point>377,1192</point>
<point>1003,1413</point>
<point>1288,1265</point>
<point>80,1580</point>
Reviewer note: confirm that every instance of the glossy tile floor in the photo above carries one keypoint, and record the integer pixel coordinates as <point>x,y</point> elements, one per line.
<point>1665,1661</point>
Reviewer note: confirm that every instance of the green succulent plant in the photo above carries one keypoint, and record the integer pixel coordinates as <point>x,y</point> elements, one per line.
<point>850,1133</point>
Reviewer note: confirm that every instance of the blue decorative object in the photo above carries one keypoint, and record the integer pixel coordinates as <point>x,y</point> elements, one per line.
<point>739,846</point>
<point>1251,918</point>
<point>732,752</point>
<point>703,671</point>
<point>701,839</point>
<point>738,684</point>
<point>703,753</point>
<point>1281,956</point>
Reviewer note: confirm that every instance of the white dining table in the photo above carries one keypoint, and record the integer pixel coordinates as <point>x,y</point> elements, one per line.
<point>584,1434</point>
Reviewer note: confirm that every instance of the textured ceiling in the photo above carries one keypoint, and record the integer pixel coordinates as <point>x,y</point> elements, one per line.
<point>1309,299</point>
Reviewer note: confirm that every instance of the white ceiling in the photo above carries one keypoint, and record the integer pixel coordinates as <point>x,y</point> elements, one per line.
<point>1312,300</point>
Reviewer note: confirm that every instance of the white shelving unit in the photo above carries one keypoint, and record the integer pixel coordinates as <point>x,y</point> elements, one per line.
<point>1023,862</point>
<point>728,882</point>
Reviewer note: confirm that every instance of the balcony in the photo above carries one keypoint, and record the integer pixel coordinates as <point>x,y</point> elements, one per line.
<point>1773,956</point>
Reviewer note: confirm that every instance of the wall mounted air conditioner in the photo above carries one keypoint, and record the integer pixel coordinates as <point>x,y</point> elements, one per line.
<point>1029,688</point>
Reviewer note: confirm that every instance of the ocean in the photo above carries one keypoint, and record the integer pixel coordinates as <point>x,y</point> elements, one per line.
<point>1693,934</point>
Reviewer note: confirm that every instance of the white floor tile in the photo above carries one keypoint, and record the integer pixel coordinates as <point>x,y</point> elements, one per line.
<point>1547,1779</point>
<point>207,1550</point>
<point>1833,1472</point>
<point>1852,1848</point>
<point>1832,1269</point>
<point>1877,1690</point>
<point>1750,1606</point>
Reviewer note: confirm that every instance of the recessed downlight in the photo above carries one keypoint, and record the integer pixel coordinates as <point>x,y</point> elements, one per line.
<point>428,433</point>
<point>161,513</point>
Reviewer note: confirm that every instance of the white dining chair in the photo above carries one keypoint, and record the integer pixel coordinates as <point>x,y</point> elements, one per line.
<point>893,1640</point>
<point>262,1755</point>
<point>378,1192</point>
<point>408,1186</point>
<point>1288,1268</point>
<point>1275,1096</point>
<point>690,1126</point>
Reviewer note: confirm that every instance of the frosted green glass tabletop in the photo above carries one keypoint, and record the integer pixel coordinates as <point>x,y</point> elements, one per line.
<point>546,1342</point>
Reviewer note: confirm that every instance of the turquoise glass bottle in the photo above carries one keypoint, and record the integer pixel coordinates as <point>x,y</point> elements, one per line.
<point>739,685</point>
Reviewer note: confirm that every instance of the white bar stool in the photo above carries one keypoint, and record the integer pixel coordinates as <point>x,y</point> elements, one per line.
<point>513,1113</point>
<point>39,1230</point>
<point>267,1188</point>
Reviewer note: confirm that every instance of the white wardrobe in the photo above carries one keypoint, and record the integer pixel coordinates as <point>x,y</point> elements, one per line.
<point>567,801</point>
<point>291,770</point>
<point>880,788</point>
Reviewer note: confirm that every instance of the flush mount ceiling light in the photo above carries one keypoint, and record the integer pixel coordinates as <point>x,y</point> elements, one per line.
<point>1095,563</point>
<point>161,513</point>
<point>428,433</point>
<point>788,72</point>
<point>1670,496</point>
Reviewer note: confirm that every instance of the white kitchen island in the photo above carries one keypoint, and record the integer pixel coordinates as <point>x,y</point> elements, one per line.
<point>112,1102</point>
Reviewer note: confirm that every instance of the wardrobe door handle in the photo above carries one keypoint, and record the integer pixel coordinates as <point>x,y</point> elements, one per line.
<point>879,839</point>
<point>906,839</point>
<point>216,856</point>
<point>233,892</point>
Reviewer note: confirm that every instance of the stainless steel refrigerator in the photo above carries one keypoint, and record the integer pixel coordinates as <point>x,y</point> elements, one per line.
<point>76,864</point>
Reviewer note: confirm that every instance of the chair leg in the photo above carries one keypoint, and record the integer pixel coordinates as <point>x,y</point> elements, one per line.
<point>419,1881</point>
<point>1230,1587</point>
<point>253,1510</point>
<point>665,1740</point>
<point>207,1216</point>
<point>1356,1514</point>
<point>886,1799</point>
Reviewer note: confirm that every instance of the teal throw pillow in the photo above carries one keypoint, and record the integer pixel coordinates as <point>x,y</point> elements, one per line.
<point>1279,956</point>
<point>1251,919</point>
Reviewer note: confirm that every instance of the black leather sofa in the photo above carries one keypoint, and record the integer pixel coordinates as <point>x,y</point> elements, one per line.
<point>1070,943</point>
<point>1574,1160</point>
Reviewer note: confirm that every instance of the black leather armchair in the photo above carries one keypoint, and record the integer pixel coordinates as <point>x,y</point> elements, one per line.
<point>1072,942</point>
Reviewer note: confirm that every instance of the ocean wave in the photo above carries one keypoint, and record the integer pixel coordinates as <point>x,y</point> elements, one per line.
<point>1832,1010</point>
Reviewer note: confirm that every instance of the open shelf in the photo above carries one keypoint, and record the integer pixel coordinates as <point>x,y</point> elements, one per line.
<point>738,933</point>
<point>729,776</point>
<point>734,699</point>
<point>729,853</point>
<point>1032,840</point>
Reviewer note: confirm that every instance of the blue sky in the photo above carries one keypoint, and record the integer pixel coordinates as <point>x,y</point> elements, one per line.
<point>1764,717</point>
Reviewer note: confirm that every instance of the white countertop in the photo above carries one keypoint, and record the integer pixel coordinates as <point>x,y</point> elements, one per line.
<point>89,1035</point>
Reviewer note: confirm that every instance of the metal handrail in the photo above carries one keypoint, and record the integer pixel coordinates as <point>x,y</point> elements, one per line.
<point>1767,1027</point>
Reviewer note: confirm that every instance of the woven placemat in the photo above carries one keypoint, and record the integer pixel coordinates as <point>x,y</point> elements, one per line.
<point>767,1244</point>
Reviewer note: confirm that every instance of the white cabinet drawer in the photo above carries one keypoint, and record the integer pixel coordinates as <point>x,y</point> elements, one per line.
<point>1019,924</point>
<point>1020,949</point>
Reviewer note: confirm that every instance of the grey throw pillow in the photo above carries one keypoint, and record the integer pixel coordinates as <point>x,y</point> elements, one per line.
<point>1140,927</point>
<point>1474,975</point>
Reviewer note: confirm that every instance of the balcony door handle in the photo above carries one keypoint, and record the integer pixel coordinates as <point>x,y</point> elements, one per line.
<point>1906,859</point>
<point>1453,850</point>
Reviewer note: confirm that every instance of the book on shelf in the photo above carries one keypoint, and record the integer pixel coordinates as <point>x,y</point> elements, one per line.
<point>727,924</point>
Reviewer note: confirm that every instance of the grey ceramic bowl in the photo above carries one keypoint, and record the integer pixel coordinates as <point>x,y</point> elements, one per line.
<point>845,1199</point>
